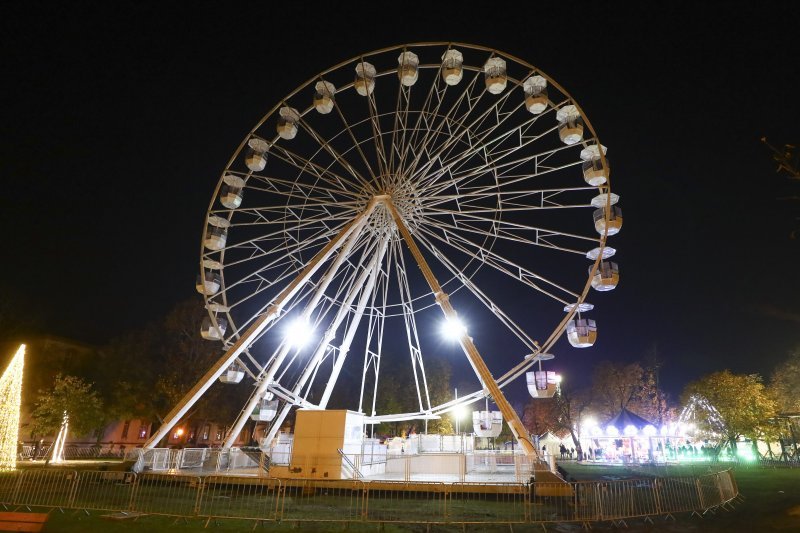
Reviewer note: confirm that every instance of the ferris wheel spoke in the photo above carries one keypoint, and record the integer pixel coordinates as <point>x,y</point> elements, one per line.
<point>481,145</point>
<point>480,142</point>
<point>366,293</point>
<point>319,229</point>
<point>400,125</point>
<point>492,164</point>
<point>412,336</point>
<point>293,187</point>
<point>424,112</point>
<point>503,228</point>
<point>501,264</point>
<point>340,159</point>
<point>465,280</point>
<point>377,136</point>
<point>469,201</point>
<point>432,131</point>
<point>466,214</point>
<point>288,260</point>
<point>357,146</point>
<point>502,170</point>
<point>497,233</point>
<point>375,330</point>
<point>312,212</point>
<point>314,170</point>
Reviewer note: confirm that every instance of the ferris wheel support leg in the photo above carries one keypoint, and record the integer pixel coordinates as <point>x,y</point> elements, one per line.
<point>257,327</point>
<point>474,357</point>
<point>344,310</point>
<point>344,348</point>
<point>265,379</point>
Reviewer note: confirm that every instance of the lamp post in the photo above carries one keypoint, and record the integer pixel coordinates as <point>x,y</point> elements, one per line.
<point>457,415</point>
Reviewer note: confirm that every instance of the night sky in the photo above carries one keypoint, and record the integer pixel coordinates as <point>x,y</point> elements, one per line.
<point>117,121</point>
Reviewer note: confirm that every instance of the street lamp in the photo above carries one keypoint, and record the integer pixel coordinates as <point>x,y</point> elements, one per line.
<point>453,329</point>
<point>298,332</point>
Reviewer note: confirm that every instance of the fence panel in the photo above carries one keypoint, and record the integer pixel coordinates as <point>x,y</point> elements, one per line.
<point>321,500</point>
<point>644,497</point>
<point>727,486</point>
<point>708,488</point>
<point>173,495</point>
<point>46,488</point>
<point>8,485</point>
<point>628,499</point>
<point>587,501</point>
<point>104,491</point>
<point>388,501</point>
<point>240,497</point>
<point>677,494</point>
<point>486,502</point>
<point>553,501</point>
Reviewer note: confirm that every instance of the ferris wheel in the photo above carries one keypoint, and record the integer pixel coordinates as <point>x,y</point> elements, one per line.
<point>406,190</point>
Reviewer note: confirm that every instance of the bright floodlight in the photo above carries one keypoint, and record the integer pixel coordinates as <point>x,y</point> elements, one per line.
<point>649,430</point>
<point>453,328</point>
<point>630,430</point>
<point>298,333</point>
<point>612,431</point>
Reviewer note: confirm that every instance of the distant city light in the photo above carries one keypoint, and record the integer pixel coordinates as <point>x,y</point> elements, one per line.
<point>453,329</point>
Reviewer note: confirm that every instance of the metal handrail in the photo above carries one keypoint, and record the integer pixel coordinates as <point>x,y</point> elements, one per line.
<point>356,472</point>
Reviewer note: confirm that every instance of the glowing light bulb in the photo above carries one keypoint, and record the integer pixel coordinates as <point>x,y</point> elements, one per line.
<point>453,328</point>
<point>298,333</point>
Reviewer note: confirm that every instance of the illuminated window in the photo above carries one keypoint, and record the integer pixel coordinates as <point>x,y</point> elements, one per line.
<point>220,434</point>
<point>125,429</point>
<point>142,431</point>
<point>206,431</point>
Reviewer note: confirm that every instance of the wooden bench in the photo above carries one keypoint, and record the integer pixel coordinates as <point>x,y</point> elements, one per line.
<point>22,521</point>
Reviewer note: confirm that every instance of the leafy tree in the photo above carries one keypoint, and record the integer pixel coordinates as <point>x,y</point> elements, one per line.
<point>742,401</point>
<point>77,398</point>
<point>541,415</point>
<point>439,372</point>
<point>572,408</point>
<point>159,364</point>
<point>617,386</point>
<point>397,393</point>
<point>785,384</point>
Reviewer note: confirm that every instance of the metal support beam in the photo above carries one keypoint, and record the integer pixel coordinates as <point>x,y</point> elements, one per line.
<point>513,420</point>
<point>257,327</point>
<point>344,310</point>
<point>266,377</point>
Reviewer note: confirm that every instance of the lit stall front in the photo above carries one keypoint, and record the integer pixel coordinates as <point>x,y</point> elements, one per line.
<point>628,438</point>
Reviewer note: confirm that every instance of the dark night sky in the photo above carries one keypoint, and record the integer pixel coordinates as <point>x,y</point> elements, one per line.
<point>117,121</point>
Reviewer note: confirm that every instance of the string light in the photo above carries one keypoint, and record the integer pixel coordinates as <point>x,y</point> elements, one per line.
<point>61,439</point>
<point>699,408</point>
<point>10,399</point>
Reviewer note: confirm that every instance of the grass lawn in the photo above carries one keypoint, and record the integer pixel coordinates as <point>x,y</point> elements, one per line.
<point>770,495</point>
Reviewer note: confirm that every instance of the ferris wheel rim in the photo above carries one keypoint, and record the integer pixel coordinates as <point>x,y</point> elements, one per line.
<point>580,296</point>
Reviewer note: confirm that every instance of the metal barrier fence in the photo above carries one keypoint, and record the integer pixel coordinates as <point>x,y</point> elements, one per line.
<point>327,500</point>
<point>29,452</point>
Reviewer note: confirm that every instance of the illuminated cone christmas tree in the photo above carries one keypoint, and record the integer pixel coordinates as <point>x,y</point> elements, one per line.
<point>10,398</point>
